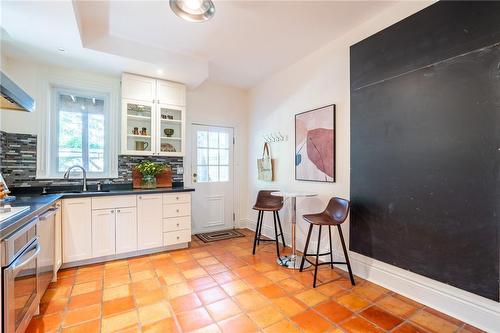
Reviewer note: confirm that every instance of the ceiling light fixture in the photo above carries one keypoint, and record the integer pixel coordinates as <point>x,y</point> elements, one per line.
<point>159,71</point>
<point>193,10</point>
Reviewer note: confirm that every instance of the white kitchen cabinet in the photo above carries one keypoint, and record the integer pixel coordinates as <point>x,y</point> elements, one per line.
<point>153,125</point>
<point>57,240</point>
<point>76,229</point>
<point>170,93</point>
<point>103,232</point>
<point>138,87</point>
<point>126,230</point>
<point>149,221</point>
<point>176,218</point>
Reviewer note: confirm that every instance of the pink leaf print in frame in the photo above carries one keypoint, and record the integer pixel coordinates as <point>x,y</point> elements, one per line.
<point>315,145</point>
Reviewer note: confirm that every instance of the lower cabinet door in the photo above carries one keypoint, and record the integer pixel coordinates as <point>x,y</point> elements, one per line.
<point>126,230</point>
<point>103,232</point>
<point>149,221</point>
<point>76,229</point>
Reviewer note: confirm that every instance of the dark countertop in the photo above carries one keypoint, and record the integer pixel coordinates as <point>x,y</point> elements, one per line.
<point>38,203</point>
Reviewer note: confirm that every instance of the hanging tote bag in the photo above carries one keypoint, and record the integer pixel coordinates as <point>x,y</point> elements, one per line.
<point>265,165</point>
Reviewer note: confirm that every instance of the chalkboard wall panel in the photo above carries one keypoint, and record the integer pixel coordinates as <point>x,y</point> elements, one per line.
<point>440,31</point>
<point>425,171</point>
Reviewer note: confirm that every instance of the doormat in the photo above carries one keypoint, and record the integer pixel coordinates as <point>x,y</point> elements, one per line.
<point>214,236</point>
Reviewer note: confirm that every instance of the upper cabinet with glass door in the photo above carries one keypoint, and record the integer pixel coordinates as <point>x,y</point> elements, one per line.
<point>153,116</point>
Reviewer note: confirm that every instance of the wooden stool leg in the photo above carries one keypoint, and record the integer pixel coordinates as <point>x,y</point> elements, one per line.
<point>276,235</point>
<point>260,227</point>
<point>317,258</point>
<point>331,250</point>
<point>281,230</point>
<point>256,232</point>
<point>346,255</point>
<point>305,248</point>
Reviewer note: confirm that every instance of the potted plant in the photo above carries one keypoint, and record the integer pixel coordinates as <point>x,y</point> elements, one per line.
<point>149,170</point>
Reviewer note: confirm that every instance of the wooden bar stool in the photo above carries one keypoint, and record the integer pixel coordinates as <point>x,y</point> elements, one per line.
<point>268,203</point>
<point>334,215</point>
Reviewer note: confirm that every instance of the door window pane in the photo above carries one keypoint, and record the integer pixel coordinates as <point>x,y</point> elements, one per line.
<point>202,157</point>
<point>202,139</point>
<point>212,162</point>
<point>202,173</point>
<point>213,173</point>
<point>223,140</point>
<point>213,139</point>
<point>223,156</point>
<point>213,156</point>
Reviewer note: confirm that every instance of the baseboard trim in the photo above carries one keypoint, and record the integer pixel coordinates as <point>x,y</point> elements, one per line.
<point>467,307</point>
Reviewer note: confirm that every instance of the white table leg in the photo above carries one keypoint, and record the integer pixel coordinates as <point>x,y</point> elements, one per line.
<point>293,261</point>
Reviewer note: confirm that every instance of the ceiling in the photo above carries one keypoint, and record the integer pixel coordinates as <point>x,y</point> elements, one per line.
<point>243,44</point>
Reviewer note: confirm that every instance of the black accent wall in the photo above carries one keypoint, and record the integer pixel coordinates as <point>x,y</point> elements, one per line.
<point>425,139</point>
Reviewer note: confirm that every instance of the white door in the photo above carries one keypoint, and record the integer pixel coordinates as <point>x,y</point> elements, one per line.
<point>76,229</point>
<point>103,232</point>
<point>126,230</point>
<point>212,171</point>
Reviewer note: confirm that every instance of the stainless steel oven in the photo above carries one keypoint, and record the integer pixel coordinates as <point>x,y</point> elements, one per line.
<point>20,272</point>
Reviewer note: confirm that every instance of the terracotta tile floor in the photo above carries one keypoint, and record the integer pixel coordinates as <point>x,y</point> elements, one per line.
<point>221,287</point>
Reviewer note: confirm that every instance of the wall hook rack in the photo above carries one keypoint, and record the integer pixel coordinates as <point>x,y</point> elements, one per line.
<point>275,137</point>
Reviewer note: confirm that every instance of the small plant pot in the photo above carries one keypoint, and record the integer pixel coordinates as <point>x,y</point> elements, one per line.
<point>148,181</point>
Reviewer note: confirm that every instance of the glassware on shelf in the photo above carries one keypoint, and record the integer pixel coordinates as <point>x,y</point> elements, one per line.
<point>135,131</point>
<point>144,131</point>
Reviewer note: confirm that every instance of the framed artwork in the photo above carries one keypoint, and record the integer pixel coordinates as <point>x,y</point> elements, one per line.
<point>315,145</point>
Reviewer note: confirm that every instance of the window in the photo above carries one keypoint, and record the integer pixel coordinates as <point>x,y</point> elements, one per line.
<point>212,161</point>
<point>80,133</point>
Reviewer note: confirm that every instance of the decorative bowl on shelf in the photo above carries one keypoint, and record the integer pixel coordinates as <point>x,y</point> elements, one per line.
<point>168,132</point>
<point>167,147</point>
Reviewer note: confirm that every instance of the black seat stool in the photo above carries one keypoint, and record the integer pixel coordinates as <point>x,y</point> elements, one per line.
<point>334,215</point>
<point>268,203</point>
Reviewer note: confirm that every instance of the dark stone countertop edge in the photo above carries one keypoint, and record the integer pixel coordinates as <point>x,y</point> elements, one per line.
<point>38,203</point>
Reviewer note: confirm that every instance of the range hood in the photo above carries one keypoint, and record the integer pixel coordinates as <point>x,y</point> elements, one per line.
<point>14,98</point>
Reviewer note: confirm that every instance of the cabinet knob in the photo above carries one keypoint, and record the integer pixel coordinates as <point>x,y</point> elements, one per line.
<point>177,237</point>
<point>177,224</point>
<point>140,197</point>
<point>177,210</point>
<point>117,210</point>
<point>112,211</point>
<point>176,198</point>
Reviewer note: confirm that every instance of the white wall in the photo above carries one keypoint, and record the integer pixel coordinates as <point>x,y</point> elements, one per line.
<point>221,105</point>
<point>320,79</point>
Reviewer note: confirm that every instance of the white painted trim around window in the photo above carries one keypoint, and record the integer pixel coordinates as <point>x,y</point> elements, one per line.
<point>104,86</point>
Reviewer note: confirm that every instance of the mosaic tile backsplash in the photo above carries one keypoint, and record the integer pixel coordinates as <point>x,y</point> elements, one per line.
<point>18,164</point>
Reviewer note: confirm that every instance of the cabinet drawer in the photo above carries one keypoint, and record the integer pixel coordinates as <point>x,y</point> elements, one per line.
<point>176,237</point>
<point>177,223</point>
<point>117,201</point>
<point>182,209</point>
<point>176,198</point>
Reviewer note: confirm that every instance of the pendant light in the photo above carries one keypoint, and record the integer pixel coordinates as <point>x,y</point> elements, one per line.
<point>193,10</point>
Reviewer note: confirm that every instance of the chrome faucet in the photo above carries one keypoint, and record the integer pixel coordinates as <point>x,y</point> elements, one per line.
<point>66,175</point>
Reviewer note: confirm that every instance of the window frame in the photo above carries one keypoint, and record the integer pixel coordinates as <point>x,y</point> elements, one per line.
<point>53,149</point>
